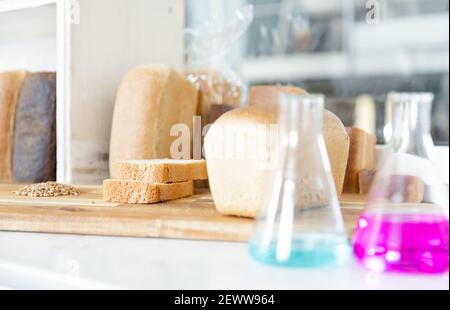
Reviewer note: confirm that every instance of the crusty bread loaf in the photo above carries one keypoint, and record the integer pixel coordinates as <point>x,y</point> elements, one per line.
<point>150,100</point>
<point>162,170</point>
<point>214,88</point>
<point>34,156</point>
<point>401,188</point>
<point>361,157</point>
<point>239,185</point>
<point>136,192</point>
<point>406,188</point>
<point>10,87</point>
<point>268,94</point>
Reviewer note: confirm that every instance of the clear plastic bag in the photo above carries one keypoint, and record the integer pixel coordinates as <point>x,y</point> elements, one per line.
<point>220,86</point>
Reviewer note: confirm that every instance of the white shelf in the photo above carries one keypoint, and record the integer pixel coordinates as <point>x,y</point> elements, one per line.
<point>14,5</point>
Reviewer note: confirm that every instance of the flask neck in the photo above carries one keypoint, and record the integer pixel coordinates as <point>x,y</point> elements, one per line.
<point>410,117</point>
<point>300,120</point>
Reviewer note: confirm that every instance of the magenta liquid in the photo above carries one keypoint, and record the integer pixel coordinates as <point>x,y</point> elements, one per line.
<point>402,242</point>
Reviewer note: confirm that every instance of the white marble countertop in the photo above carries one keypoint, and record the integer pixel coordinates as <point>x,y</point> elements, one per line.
<point>41,261</point>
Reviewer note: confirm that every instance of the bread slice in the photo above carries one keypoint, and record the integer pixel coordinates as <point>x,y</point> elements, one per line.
<point>162,170</point>
<point>10,86</point>
<point>150,100</point>
<point>136,192</point>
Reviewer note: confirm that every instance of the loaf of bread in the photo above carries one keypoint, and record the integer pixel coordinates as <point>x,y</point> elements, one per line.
<point>361,157</point>
<point>239,184</point>
<point>162,170</point>
<point>10,87</point>
<point>214,89</point>
<point>150,100</point>
<point>34,156</point>
<point>401,188</point>
<point>137,192</point>
<point>268,94</point>
<point>406,188</point>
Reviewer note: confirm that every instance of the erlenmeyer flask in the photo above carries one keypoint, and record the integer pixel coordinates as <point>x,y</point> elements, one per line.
<point>301,223</point>
<point>404,227</point>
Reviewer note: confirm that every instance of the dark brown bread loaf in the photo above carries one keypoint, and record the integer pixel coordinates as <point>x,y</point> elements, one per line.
<point>34,155</point>
<point>10,85</point>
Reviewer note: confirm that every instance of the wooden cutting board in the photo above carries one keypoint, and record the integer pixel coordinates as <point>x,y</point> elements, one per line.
<point>87,214</point>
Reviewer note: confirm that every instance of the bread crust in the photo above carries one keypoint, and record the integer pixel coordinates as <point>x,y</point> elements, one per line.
<point>268,94</point>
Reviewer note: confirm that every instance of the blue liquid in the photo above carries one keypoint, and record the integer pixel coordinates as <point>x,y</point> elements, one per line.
<point>308,251</point>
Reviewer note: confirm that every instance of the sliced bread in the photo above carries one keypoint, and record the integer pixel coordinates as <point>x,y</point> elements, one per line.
<point>135,192</point>
<point>162,170</point>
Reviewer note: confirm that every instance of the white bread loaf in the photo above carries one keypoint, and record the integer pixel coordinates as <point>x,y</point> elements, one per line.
<point>136,192</point>
<point>162,170</point>
<point>239,184</point>
<point>150,100</point>
<point>10,86</point>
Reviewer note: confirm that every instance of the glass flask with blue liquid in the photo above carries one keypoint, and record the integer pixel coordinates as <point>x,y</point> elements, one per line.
<point>301,224</point>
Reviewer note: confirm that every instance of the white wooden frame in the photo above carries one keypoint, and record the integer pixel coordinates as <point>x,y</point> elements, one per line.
<point>84,56</point>
<point>63,94</point>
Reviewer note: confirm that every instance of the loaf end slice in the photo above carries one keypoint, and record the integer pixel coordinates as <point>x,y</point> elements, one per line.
<point>136,192</point>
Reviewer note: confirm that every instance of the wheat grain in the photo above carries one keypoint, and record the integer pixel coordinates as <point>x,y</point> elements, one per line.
<point>47,189</point>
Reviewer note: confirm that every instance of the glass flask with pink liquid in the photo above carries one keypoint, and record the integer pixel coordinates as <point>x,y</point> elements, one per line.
<point>404,227</point>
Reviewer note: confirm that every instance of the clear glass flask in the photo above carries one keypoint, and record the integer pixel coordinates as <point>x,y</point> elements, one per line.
<point>404,227</point>
<point>301,224</point>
